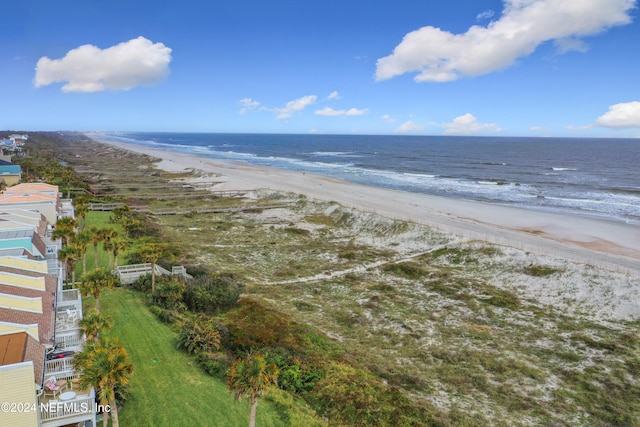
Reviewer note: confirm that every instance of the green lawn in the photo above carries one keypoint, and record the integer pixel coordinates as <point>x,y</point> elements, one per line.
<point>167,387</point>
<point>100,220</point>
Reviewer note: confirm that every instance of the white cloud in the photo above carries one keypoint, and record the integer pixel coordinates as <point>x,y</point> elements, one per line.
<point>487,14</point>
<point>137,62</point>
<point>328,111</point>
<point>468,125</point>
<point>248,104</point>
<point>578,127</point>
<point>621,116</point>
<point>387,118</point>
<point>334,95</point>
<point>538,128</point>
<point>439,56</point>
<point>357,112</point>
<point>409,126</point>
<point>570,43</point>
<point>294,106</point>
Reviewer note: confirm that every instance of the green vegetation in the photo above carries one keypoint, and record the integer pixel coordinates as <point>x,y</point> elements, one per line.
<point>168,387</point>
<point>104,365</point>
<point>251,377</point>
<point>370,321</point>
<point>540,270</point>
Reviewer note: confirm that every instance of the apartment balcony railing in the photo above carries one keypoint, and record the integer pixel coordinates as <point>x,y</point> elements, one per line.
<point>57,367</point>
<point>69,310</point>
<point>73,342</point>
<point>80,408</point>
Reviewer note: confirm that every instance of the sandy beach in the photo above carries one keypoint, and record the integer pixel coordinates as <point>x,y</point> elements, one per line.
<point>462,304</point>
<point>607,244</point>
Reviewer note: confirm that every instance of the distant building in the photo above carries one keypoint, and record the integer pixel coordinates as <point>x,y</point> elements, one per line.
<point>10,173</point>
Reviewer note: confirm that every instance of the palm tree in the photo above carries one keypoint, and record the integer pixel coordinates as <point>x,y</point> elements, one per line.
<point>108,235</point>
<point>118,245</point>
<point>105,366</point>
<point>100,235</point>
<point>108,248</point>
<point>96,237</point>
<point>120,213</point>
<point>251,377</point>
<point>81,240</point>
<point>93,322</point>
<point>65,229</point>
<point>81,207</point>
<point>94,282</point>
<point>151,253</point>
<point>69,255</point>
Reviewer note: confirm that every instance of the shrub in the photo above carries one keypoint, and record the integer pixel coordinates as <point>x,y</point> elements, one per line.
<point>503,298</point>
<point>165,316</point>
<point>350,396</point>
<point>410,270</point>
<point>295,375</point>
<point>252,324</point>
<point>169,294</point>
<point>537,270</point>
<point>215,364</point>
<point>199,335</point>
<point>212,293</point>
<point>142,283</point>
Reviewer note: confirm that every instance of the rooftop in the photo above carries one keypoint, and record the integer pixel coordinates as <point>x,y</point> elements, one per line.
<point>20,347</point>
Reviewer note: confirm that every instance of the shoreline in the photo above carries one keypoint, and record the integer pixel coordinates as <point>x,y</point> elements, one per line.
<point>606,243</point>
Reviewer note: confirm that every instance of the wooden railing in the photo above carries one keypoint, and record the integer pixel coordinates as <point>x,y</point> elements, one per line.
<point>66,342</point>
<point>80,407</point>
<point>130,273</point>
<point>57,366</point>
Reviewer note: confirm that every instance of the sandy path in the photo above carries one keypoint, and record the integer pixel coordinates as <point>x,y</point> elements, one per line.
<point>608,244</point>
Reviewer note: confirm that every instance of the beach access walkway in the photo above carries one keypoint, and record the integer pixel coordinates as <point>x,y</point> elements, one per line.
<point>130,273</point>
<point>107,207</point>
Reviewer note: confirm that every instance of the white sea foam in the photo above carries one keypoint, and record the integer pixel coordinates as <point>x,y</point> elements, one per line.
<point>420,175</point>
<point>335,154</point>
<point>452,170</point>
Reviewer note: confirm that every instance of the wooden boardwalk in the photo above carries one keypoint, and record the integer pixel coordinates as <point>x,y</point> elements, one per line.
<point>213,210</point>
<point>107,207</point>
<point>130,273</point>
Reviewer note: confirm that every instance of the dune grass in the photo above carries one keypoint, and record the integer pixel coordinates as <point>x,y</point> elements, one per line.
<point>450,326</point>
<point>167,387</point>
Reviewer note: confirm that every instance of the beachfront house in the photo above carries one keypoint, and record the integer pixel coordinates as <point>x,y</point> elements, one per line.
<point>38,318</point>
<point>21,376</point>
<point>44,198</point>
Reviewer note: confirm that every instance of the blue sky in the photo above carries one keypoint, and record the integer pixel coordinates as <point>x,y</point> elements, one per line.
<point>467,67</point>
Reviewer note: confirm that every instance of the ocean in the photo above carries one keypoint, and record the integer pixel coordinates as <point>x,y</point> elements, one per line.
<point>595,177</point>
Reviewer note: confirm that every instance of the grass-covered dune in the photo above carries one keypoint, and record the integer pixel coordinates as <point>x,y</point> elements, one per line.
<point>471,333</point>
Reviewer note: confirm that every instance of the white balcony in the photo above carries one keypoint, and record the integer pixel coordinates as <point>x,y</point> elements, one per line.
<point>73,342</point>
<point>59,367</point>
<point>78,406</point>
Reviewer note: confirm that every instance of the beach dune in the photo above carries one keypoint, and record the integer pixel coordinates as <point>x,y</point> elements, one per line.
<point>604,243</point>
